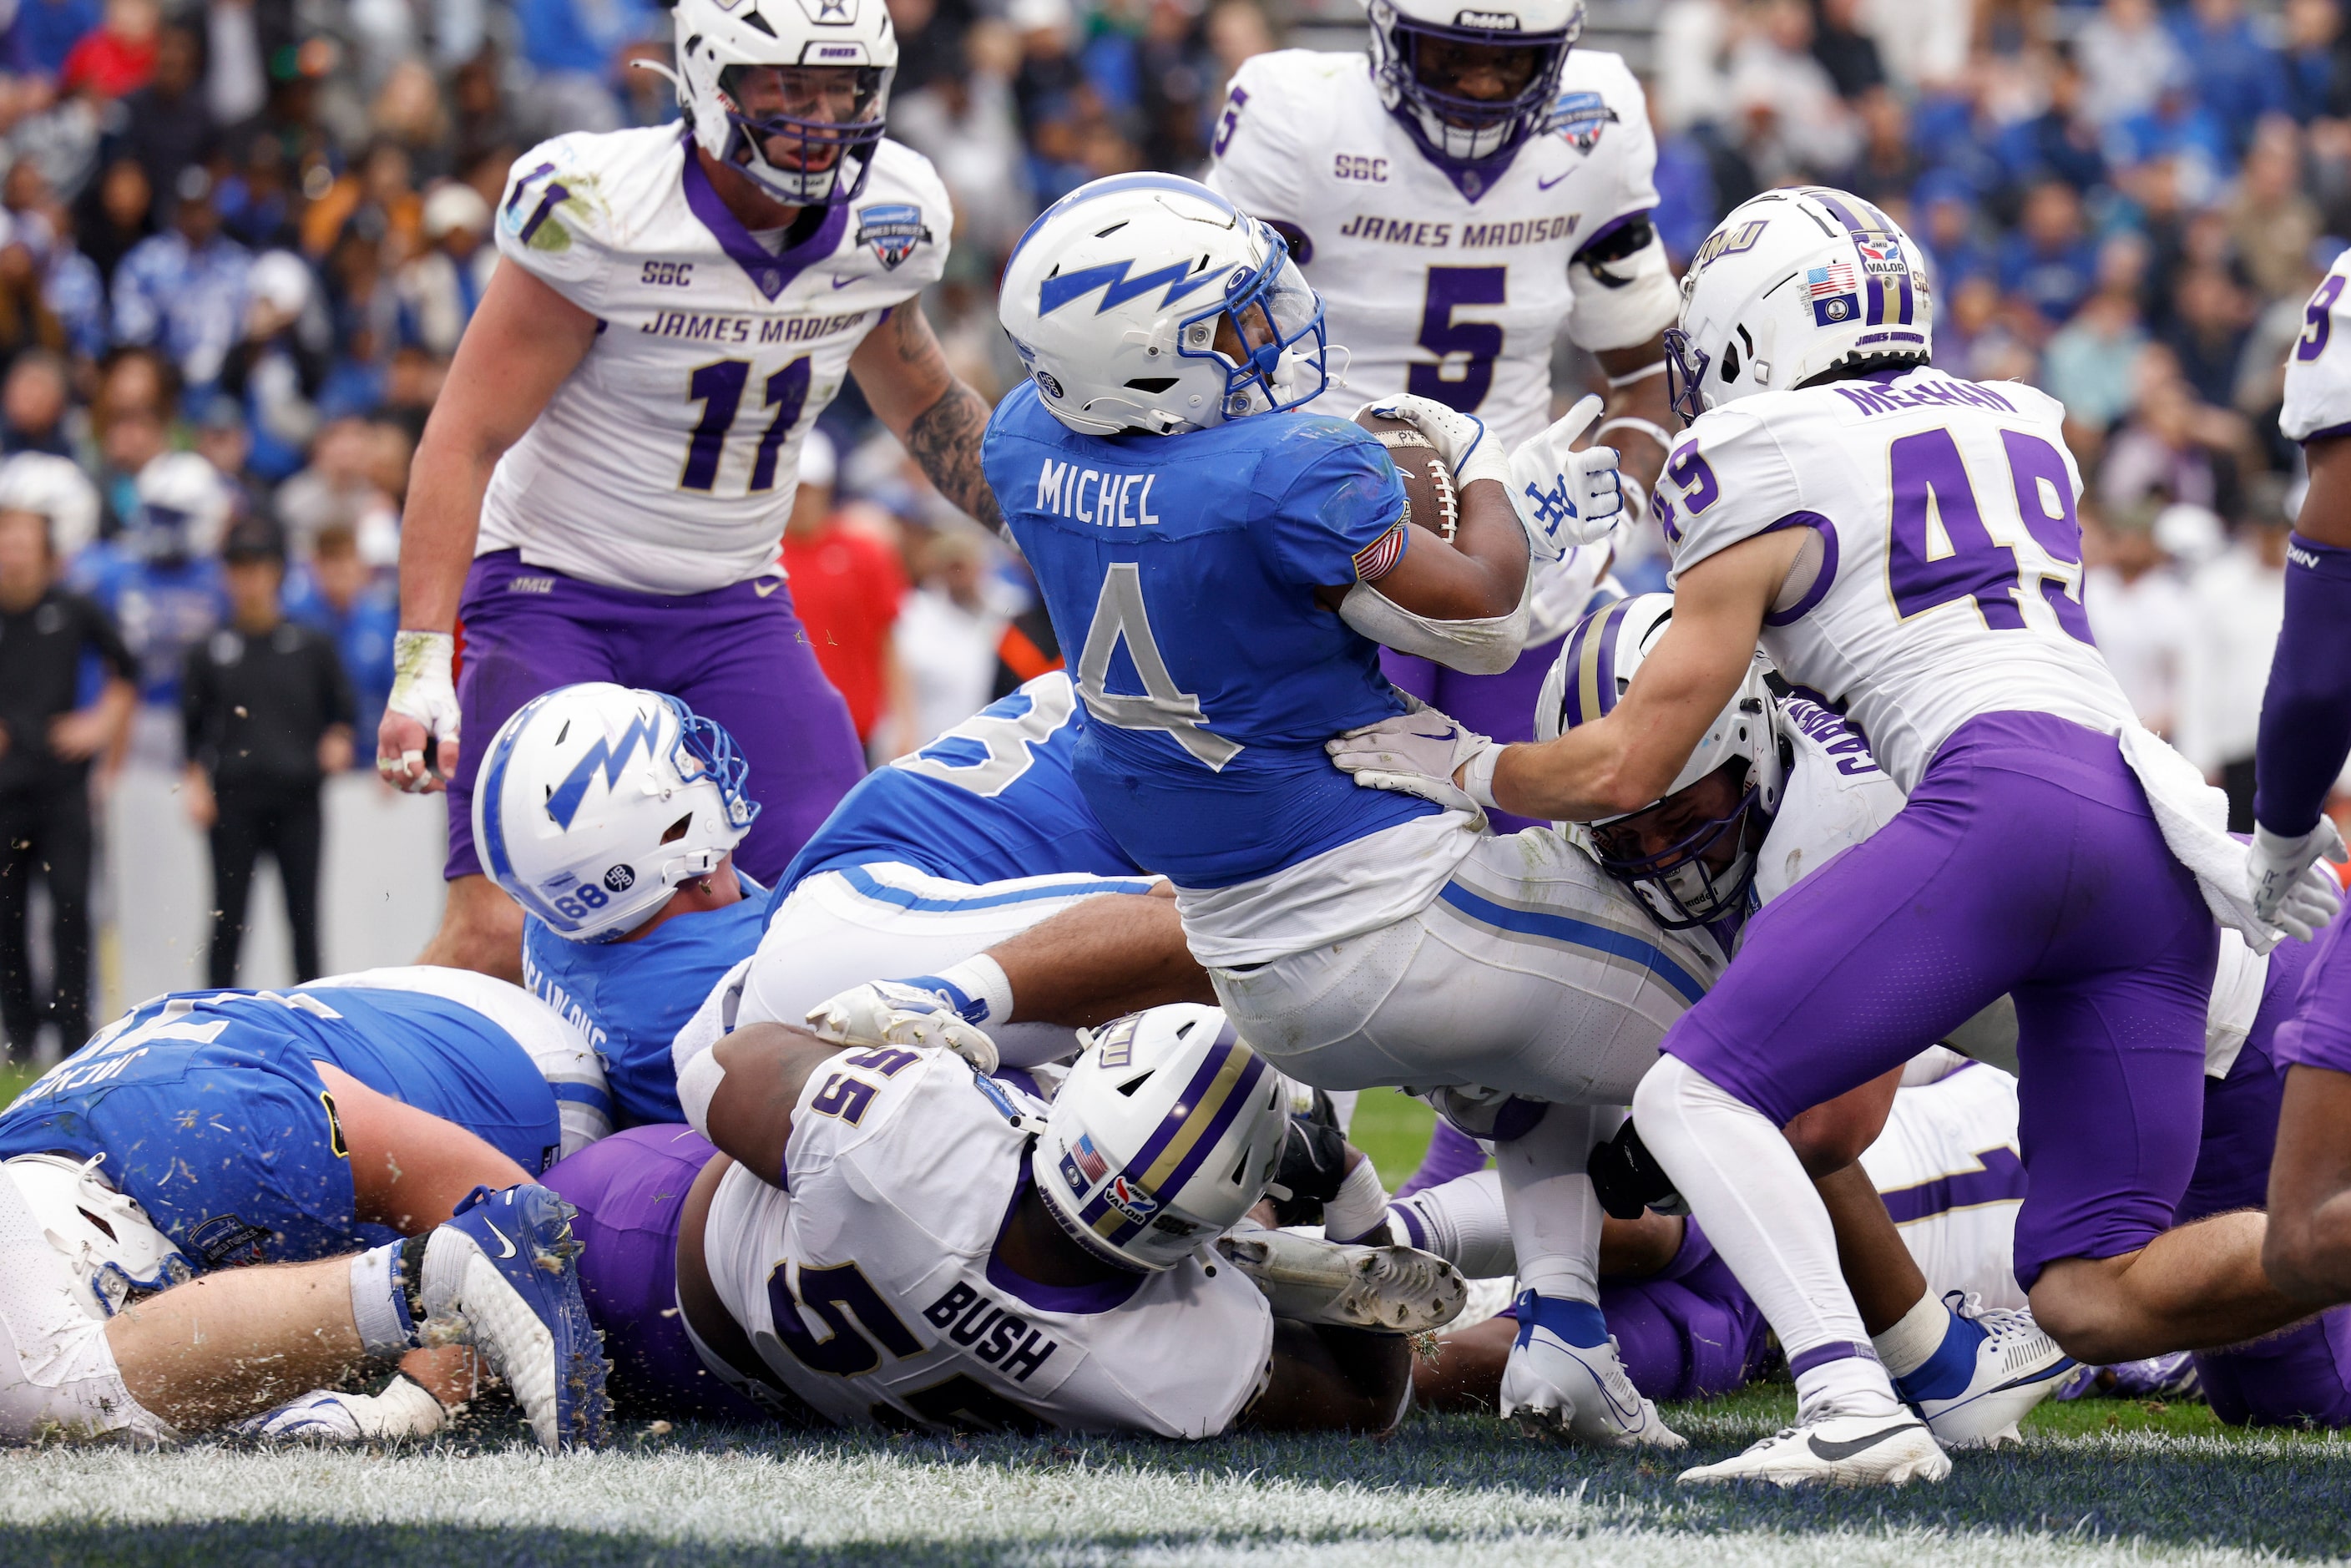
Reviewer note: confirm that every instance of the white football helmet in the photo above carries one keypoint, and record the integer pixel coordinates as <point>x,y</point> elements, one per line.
<point>1453,129</point>
<point>55,489</point>
<point>1165,1134</point>
<point>1114,296</point>
<point>183,508</point>
<point>596,801</point>
<point>113,1249</point>
<point>814,73</point>
<point>1595,668</point>
<point>1793,284</point>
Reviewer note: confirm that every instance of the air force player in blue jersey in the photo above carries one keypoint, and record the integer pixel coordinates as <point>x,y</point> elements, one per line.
<point>611,815</point>
<point>1229,569</point>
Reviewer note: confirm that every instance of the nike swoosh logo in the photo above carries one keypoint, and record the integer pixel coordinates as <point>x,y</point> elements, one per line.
<point>764,590</point>
<point>1835,1451</point>
<point>1547,184</point>
<point>840,282</point>
<point>502,1239</point>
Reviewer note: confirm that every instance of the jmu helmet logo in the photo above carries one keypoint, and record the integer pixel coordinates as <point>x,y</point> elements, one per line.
<point>893,231</point>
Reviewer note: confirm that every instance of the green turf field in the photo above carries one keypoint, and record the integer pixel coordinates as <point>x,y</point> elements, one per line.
<point>2099,1483</point>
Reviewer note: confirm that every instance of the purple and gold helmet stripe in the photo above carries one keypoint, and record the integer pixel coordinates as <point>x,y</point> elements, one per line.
<point>1219,1090</point>
<point>1591,690</point>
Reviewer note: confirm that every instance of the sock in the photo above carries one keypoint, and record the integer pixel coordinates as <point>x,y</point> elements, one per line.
<point>1579,1323</point>
<point>1744,1185</point>
<point>1554,1214</point>
<point>1949,1367</point>
<point>1913,1341</point>
<point>1451,1153</point>
<point>978,986</point>
<point>381,1308</point>
<point>2307,711</point>
<point>1462,1222</point>
<point>1361,1205</point>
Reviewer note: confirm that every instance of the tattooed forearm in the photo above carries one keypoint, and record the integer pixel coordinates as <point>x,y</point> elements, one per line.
<point>943,440</point>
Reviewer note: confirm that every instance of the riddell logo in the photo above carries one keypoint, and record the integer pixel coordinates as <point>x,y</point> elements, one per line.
<point>1489,21</point>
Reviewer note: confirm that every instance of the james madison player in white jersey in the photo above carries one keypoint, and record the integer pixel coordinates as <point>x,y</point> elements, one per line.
<point>1478,186</point>
<point>601,490</point>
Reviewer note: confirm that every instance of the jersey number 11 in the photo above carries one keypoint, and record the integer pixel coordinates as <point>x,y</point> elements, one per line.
<point>719,387</point>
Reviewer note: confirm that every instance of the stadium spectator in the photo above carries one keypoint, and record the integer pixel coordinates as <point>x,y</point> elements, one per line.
<point>34,402</point>
<point>847,586</point>
<point>2139,612</point>
<point>2235,604</point>
<point>120,56</point>
<point>439,288</point>
<point>2235,73</point>
<point>338,591</point>
<point>2049,262</point>
<point>948,632</point>
<point>182,290</point>
<point>166,124</point>
<point>49,735</point>
<point>268,714</point>
<point>2128,58</point>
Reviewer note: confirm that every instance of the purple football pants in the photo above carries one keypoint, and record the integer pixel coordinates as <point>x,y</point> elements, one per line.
<point>630,1189</point>
<point>2319,1032</point>
<point>2300,1377</point>
<point>737,656</point>
<point>1502,707</point>
<point>2026,861</point>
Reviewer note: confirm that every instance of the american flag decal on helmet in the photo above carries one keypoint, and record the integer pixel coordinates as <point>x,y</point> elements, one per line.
<point>1836,294</point>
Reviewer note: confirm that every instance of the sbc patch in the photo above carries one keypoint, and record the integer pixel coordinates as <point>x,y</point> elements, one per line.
<point>1580,116</point>
<point>893,230</point>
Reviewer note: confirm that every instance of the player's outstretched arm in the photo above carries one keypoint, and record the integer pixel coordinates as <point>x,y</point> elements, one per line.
<point>1331,1379</point>
<point>904,377</point>
<point>2306,1251</point>
<point>524,339</point>
<point>741,1092</point>
<point>1625,760</point>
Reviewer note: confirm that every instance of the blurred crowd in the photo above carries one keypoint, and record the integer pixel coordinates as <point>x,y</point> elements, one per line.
<point>253,230</point>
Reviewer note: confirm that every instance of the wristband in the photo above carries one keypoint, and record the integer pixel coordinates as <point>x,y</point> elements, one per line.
<point>1360,1208</point>
<point>1649,428</point>
<point>1478,777</point>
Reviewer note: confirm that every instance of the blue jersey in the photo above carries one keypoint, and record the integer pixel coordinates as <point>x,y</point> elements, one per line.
<point>1184,567</point>
<point>363,635</point>
<point>990,801</point>
<point>630,998</point>
<point>162,610</point>
<point>209,1110</point>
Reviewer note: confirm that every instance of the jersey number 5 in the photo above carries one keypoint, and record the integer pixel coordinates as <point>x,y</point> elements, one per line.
<point>719,387</point>
<point>1474,346</point>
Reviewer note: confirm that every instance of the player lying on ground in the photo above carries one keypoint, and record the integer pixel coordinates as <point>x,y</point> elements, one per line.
<point>896,1240</point>
<point>1244,606</point>
<point>254,1127</point>
<point>1478,187</point>
<point>2305,734</point>
<point>616,813</point>
<point>601,490</point>
<point>2025,770</point>
<point>106,1334</point>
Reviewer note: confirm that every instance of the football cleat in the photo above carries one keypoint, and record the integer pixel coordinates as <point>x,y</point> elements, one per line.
<point>503,1275</point>
<point>1393,1289</point>
<point>1563,1381</point>
<point>1991,1369</point>
<point>2172,1377</point>
<point>1837,1449</point>
<point>330,1416</point>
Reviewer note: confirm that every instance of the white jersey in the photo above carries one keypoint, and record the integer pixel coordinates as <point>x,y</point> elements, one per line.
<point>1951,580</point>
<point>2318,369</point>
<point>1453,291</point>
<point>870,1290</point>
<point>668,460</point>
<point>1949,1169</point>
<point>1835,796</point>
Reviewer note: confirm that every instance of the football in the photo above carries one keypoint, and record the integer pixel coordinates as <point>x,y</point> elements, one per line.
<point>1432,495</point>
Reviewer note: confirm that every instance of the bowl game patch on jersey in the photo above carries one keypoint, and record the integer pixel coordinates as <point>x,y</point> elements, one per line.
<point>892,230</point>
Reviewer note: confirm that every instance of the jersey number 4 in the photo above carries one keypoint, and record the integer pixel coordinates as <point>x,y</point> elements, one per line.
<point>1118,617</point>
<point>719,388</point>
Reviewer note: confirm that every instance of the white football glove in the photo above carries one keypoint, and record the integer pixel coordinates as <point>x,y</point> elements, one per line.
<point>890,1012</point>
<point>1565,498</point>
<point>1418,753</point>
<point>328,1416</point>
<point>423,690</point>
<point>2290,889</point>
<point>1468,448</point>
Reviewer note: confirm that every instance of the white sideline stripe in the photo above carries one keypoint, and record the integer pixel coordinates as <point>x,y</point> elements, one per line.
<point>821,1499</point>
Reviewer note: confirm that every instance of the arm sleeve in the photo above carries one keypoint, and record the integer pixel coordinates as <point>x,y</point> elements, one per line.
<point>2318,366</point>
<point>1329,494</point>
<point>342,704</point>
<point>100,635</point>
<point>553,223</point>
<point>1256,161</point>
<point>1726,480</point>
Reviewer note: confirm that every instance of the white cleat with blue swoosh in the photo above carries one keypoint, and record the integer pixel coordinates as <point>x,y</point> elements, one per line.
<point>1565,1382</point>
